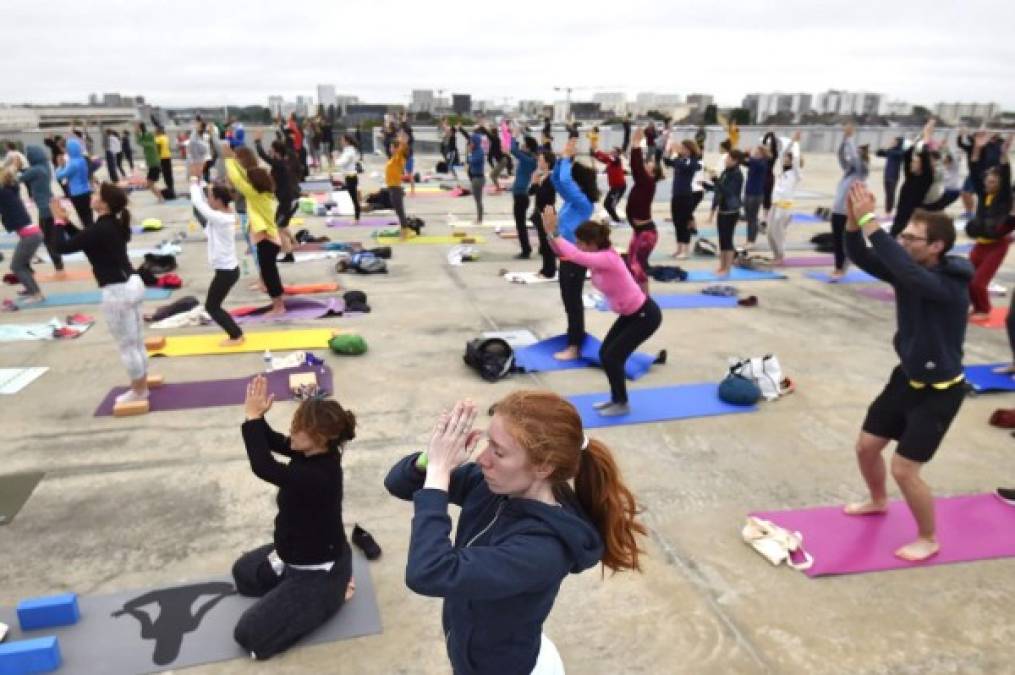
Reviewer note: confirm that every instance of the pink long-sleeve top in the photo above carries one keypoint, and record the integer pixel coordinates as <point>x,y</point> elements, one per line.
<point>609,274</point>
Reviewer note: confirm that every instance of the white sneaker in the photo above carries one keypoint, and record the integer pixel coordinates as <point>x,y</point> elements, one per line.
<point>130,396</point>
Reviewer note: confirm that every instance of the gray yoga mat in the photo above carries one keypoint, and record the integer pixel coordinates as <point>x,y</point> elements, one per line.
<point>101,643</point>
<point>15,489</point>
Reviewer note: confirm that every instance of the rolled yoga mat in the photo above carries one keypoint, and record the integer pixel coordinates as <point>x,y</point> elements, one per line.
<point>538,358</point>
<point>982,378</point>
<point>214,393</point>
<point>296,309</point>
<point>853,276</point>
<point>736,274</point>
<point>659,404</point>
<point>687,301</point>
<point>972,527</point>
<point>208,343</point>
<point>93,297</point>
<point>15,489</point>
<point>177,626</point>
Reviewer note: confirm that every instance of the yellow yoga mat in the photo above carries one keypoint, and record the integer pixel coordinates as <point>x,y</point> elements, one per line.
<point>198,345</point>
<point>432,239</point>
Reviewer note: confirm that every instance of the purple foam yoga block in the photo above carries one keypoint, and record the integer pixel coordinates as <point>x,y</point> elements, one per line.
<point>48,611</point>
<point>38,655</point>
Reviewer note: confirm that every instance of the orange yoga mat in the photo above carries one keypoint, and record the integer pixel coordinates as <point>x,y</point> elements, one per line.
<point>997,318</point>
<point>75,274</point>
<point>303,289</point>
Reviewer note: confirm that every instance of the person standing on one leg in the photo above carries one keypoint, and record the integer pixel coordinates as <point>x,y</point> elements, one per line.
<point>16,220</point>
<point>991,225</point>
<point>520,189</point>
<point>783,193</point>
<point>38,177</point>
<point>220,228</point>
<point>683,198</point>
<point>893,164</point>
<point>646,173</point>
<point>854,163</point>
<point>304,576</point>
<point>545,195</point>
<point>727,203</point>
<point>639,314</point>
<point>615,180</point>
<point>925,390</point>
<point>576,185</point>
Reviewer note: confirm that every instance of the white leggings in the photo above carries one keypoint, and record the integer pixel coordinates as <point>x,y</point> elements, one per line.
<point>778,222</point>
<point>121,303</point>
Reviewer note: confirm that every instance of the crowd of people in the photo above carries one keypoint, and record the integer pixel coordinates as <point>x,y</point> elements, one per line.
<point>542,499</point>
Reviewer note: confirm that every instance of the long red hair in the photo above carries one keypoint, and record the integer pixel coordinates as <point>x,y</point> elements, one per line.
<point>549,428</point>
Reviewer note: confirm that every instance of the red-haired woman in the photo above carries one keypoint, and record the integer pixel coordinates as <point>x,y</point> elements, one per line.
<point>522,529</point>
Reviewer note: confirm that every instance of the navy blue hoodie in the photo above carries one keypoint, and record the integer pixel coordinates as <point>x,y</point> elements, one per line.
<point>501,576</point>
<point>931,305</point>
<point>38,177</point>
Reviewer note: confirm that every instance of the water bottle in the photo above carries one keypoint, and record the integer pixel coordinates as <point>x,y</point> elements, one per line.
<point>267,361</point>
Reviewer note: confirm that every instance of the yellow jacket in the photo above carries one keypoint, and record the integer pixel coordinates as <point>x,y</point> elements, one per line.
<point>261,206</point>
<point>395,168</point>
<point>162,143</point>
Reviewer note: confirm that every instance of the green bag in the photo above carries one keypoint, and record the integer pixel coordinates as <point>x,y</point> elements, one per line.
<point>348,345</point>
<point>307,205</point>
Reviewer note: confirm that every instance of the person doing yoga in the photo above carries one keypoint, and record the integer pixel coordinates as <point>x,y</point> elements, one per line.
<point>684,199</point>
<point>305,575</point>
<point>542,500</point>
<point>220,229</point>
<point>926,389</point>
<point>639,314</point>
<point>646,172</point>
<point>854,162</point>
<point>991,226</point>
<point>783,193</point>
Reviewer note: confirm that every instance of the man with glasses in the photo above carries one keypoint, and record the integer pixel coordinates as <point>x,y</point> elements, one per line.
<point>926,389</point>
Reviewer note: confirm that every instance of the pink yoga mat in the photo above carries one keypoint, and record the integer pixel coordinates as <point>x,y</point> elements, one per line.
<point>296,308</point>
<point>368,221</point>
<point>883,293</point>
<point>211,393</point>
<point>808,261</point>
<point>971,527</point>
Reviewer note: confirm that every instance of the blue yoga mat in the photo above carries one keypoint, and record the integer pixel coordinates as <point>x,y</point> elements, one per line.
<point>689,301</point>
<point>736,274</point>
<point>538,358</point>
<point>91,298</point>
<point>660,404</point>
<point>851,277</point>
<point>807,218</point>
<point>983,378</point>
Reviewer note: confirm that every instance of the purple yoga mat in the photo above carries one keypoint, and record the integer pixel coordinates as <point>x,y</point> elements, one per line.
<point>212,393</point>
<point>808,261</point>
<point>370,221</point>
<point>971,527</point>
<point>297,308</point>
<point>883,293</point>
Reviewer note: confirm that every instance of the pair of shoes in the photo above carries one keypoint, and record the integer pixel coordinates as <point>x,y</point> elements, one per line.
<point>364,542</point>
<point>615,410</point>
<point>602,404</point>
<point>749,301</point>
<point>287,258</point>
<point>130,396</point>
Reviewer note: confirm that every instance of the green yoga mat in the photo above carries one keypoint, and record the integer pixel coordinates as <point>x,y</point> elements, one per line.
<point>15,489</point>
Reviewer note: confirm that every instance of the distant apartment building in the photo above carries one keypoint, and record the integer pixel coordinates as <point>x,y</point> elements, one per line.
<point>898,109</point>
<point>837,102</point>
<point>763,106</point>
<point>647,100</point>
<point>614,102</point>
<point>422,101</point>
<point>275,104</point>
<point>326,95</point>
<point>305,106</point>
<point>461,104</point>
<point>954,113</point>
<point>699,102</point>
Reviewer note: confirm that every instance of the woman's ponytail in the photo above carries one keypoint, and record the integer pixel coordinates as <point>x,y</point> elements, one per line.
<point>124,219</point>
<point>611,506</point>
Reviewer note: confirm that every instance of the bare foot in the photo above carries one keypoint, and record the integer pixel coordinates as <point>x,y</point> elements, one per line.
<point>919,550</point>
<point>231,342</point>
<point>350,590</point>
<point>257,286</point>
<point>978,316</point>
<point>865,508</point>
<point>837,274</point>
<point>275,311</point>
<point>569,354</point>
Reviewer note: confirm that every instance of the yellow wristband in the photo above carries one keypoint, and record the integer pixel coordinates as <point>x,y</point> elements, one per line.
<point>422,461</point>
<point>863,220</point>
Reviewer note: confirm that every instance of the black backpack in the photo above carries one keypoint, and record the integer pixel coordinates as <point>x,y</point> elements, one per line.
<point>492,358</point>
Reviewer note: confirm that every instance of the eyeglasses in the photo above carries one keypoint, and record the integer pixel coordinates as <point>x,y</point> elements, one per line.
<point>910,238</point>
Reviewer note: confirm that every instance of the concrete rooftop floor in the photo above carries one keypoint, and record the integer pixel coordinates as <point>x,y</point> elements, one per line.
<point>143,501</point>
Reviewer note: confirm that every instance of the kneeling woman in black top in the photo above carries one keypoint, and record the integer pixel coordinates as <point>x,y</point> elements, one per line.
<point>304,577</point>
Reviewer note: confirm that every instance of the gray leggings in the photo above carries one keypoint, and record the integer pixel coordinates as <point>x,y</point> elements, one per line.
<point>397,195</point>
<point>477,193</point>
<point>121,303</point>
<point>752,204</point>
<point>290,605</point>
<point>21,261</point>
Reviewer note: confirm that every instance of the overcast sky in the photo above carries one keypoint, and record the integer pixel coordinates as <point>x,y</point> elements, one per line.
<point>199,52</point>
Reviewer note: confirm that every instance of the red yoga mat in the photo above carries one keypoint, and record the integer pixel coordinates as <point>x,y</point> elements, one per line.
<point>971,527</point>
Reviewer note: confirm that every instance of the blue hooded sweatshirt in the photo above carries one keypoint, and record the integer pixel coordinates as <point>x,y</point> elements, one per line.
<point>38,177</point>
<point>477,157</point>
<point>577,208</point>
<point>524,170</point>
<point>75,171</point>
<point>500,577</point>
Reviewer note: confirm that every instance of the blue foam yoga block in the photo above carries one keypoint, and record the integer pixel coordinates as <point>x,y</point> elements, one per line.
<point>48,611</point>
<point>38,655</point>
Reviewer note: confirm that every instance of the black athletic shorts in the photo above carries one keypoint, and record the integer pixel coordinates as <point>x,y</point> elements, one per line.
<point>917,418</point>
<point>153,173</point>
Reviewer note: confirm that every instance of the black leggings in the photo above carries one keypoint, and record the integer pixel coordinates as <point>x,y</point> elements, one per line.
<point>83,207</point>
<point>54,238</point>
<point>221,283</point>
<point>290,606</point>
<point>890,186</point>
<point>626,334</point>
<point>610,203</point>
<point>682,211</point>
<point>839,240</point>
<point>521,206</point>
<point>572,279</point>
<point>549,269</point>
<point>167,176</point>
<point>285,210</point>
<point>726,224</point>
<point>267,261</point>
<point>352,187</point>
